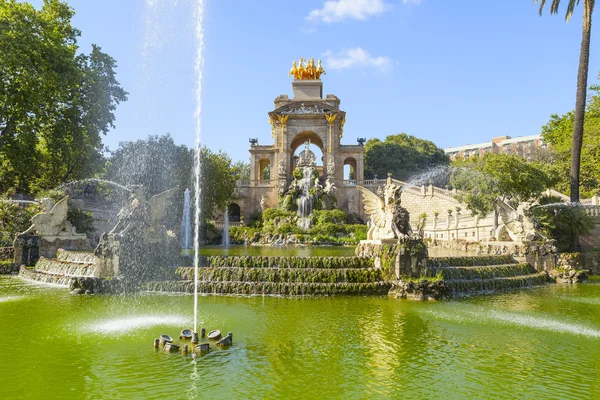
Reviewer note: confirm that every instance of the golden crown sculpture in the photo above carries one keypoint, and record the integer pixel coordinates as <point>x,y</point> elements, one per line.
<point>308,70</point>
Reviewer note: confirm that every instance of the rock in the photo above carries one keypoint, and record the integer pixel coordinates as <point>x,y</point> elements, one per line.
<point>78,291</point>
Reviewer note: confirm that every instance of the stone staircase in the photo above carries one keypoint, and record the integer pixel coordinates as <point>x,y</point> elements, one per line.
<point>483,274</point>
<point>62,270</point>
<point>291,276</point>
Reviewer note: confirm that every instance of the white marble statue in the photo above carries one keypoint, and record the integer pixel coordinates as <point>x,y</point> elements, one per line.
<point>53,220</point>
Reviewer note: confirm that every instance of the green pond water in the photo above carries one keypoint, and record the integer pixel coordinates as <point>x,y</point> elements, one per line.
<point>539,343</point>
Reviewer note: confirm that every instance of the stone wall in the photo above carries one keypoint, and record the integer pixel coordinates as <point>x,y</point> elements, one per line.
<point>578,261</point>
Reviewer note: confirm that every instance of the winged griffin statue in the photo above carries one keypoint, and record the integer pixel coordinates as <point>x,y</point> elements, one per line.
<point>53,220</point>
<point>517,224</point>
<point>388,220</point>
<point>142,216</point>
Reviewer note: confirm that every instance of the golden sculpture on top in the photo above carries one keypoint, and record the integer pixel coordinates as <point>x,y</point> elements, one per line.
<point>308,71</point>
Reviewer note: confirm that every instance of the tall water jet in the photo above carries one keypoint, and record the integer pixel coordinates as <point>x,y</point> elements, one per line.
<point>198,67</point>
<point>186,223</point>
<point>226,227</point>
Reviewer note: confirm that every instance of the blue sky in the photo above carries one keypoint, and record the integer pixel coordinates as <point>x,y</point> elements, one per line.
<point>451,72</point>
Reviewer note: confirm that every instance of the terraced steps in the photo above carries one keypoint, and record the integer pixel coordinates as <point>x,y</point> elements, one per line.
<point>270,288</point>
<point>459,287</point>
<point>475,275</point>
<point>62,270</point>
<point>482,272</point>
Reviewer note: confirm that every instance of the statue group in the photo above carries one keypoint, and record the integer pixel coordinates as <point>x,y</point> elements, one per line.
<point>308,70</point>
<point>387,219</point>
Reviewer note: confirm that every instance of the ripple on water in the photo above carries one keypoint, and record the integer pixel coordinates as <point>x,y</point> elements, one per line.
<point>5,299</point>
<point>585,300</point>
<point>471,314</point>
<point>127,324</point>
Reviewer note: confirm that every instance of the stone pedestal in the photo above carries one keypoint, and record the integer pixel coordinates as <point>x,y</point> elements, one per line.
<point>27,249</point>
<point>136,258</point>
<point>308,89</point>
<point>403,258</point>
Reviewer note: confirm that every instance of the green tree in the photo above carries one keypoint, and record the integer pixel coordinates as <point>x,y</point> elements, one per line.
<point>563,222</point>
<point>217,180</point>
<point>403,155</point>
<point>241,170</point>
<point>483,182</point>
<point>558,133</point>
<point>54,102</point>
<point>582,76</point>
<point>157,163</point>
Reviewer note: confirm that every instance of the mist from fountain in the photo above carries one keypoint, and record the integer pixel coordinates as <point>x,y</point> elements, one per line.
<point>226,227</point>
<point>186,225</point>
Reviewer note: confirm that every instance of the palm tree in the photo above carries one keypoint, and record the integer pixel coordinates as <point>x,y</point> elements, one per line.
<point>582,75</point>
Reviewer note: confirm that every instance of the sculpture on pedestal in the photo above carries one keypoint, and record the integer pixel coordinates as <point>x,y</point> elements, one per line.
<point>387,219</point>
<point>53,220</point>
<point>517,224</point>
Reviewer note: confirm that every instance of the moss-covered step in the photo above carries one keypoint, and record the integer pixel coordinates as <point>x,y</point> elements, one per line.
<point>471,261</point>
<point>458,287</point>
<point>481,272</point>
<point>270,288</point>
<point>238,274</point>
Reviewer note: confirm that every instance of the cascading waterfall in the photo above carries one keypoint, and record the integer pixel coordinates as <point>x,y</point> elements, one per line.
<point>226,227</point>
<point>186,225</point>
<point>305,201</point>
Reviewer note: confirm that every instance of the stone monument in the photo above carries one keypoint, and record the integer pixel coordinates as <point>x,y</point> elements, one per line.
<point>139,247</point>
<point>49,231</point>
<point>390,239</point>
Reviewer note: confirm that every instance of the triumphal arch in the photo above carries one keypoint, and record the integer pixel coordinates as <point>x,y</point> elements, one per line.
<point>307,119</point>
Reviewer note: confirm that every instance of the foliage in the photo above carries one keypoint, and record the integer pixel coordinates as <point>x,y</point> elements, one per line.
<point>241,170</point>
<point>14,219</point>
<point>297,173</point>
<point>157,163</point>
<point>321,217</point>
<point>404,156</point>
<point>484,181</point>
<point>580,96</point>
<point>563,222</point>
<point>55,102</point>
<point>558,134</point>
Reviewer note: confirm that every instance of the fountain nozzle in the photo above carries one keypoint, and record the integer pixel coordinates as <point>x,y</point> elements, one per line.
<point>195,337</point>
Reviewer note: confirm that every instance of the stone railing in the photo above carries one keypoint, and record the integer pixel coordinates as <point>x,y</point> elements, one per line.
<point>265,182</point>
<point>243,183</point>
<point>221,224</point>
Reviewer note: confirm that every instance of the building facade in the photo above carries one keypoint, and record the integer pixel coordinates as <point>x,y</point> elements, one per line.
<point>522,146</point>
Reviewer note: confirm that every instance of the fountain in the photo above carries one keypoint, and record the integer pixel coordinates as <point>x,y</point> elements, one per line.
<point>186,227</point>
<point>226,228</point>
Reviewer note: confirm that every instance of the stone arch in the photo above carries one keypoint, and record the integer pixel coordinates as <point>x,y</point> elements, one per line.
<point>350,168</point>
<point>264,169</point>
<point>235,212</point>
<point>305,135</point>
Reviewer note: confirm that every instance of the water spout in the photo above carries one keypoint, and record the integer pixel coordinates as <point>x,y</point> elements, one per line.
<point>226,227</point>
<point>186,226</point>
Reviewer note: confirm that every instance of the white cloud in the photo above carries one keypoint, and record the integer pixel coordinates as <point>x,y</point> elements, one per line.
<point>356,57</point>
<point>338,10</point>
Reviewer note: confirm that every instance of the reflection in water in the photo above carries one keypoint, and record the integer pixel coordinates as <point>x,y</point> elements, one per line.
<point>305,347</point>
<point>192,393</point>
<point>466,314</point>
